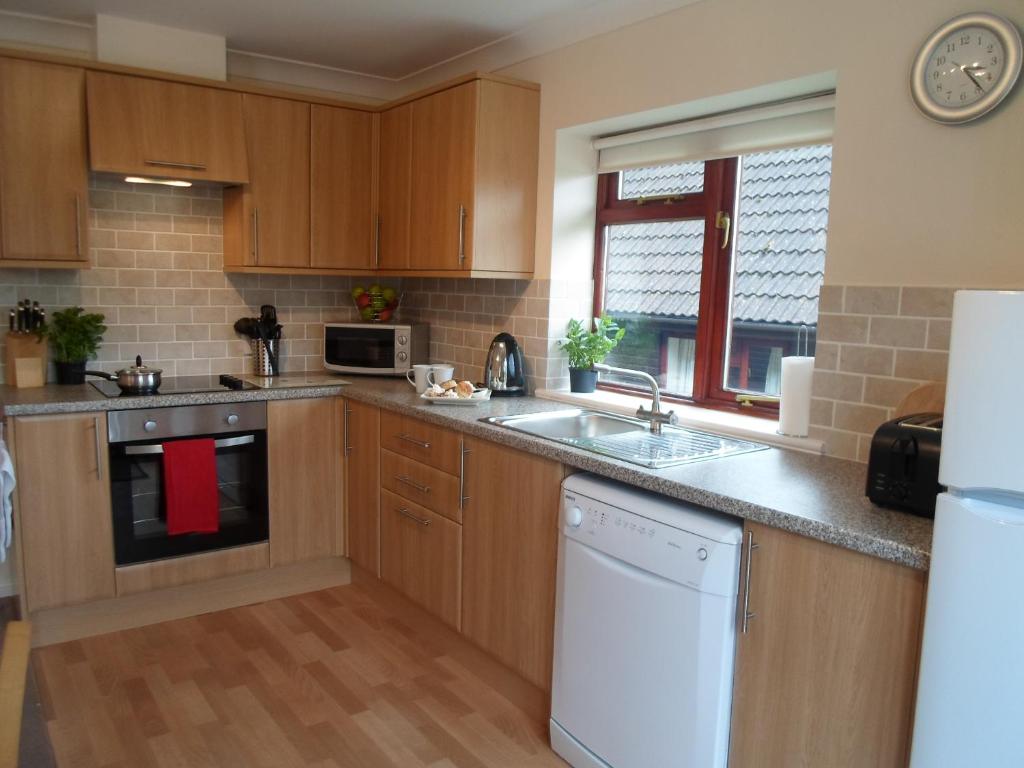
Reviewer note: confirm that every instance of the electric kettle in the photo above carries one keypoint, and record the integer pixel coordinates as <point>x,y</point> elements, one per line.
<point>503,371</point>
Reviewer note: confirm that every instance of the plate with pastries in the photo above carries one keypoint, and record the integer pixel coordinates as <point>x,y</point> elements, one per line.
<point>454,392</point>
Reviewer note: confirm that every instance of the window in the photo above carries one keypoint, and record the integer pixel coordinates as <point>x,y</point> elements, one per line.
<point>714,269</point>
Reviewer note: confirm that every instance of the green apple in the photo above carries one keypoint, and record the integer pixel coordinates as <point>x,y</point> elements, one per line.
<point>358,291</point>
<point>389,294</point>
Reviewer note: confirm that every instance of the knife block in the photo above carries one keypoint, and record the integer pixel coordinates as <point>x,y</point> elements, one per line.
<point>25,357</point>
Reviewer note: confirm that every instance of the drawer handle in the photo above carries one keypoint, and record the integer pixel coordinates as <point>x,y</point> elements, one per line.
<point>414,441</point>
<point>406,513</point>
<point>747,613</point>
<point>412,483</point>
<point>172,164</point>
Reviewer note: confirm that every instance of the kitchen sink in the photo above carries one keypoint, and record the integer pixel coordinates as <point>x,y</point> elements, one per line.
<point>624,438</point>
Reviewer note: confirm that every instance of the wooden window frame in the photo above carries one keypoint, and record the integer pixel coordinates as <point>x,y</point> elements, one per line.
<point>719,194</point>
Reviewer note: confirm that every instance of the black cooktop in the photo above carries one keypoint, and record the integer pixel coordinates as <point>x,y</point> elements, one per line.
<point>177,385</point>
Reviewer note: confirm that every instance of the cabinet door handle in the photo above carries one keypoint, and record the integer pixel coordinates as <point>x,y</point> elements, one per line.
<point>256,235</point>
<point>747,613</point>
<point>99,447</point>
<point>376,242</point>
<point>412,483</point>
<point>347,446</point>
<point>406,513</point>
<point>462,234</point>
<point>173,164</point>
<point>463,498</point>
<point>78,226</point>
<point>414,441</point>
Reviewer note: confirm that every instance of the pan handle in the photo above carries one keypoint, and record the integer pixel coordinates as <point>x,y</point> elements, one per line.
<point>102,375</point>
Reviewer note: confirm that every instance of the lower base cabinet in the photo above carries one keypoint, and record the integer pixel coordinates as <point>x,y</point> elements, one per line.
<point>510,554</point>
<point>303,442</point>
<point>826,671</point>
<point>421,556</point>
<point>361,435</point>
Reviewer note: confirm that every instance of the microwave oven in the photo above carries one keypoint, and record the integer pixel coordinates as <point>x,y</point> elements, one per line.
<point>381,349</point>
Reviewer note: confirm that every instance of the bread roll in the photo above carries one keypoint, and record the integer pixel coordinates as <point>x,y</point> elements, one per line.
<point>465,389</point>
<point>450,384</point>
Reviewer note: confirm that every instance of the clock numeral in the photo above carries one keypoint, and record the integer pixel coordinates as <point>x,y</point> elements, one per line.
<point>938,87</point>
<point>940,61</point>
<point>963,96</point>
<point>995,60</point>
<point>990,48</point>
<point>950,47</point>
<point>965,40</point>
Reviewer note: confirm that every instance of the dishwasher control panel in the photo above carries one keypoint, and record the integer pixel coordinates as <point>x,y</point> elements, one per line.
<point>658,537</point>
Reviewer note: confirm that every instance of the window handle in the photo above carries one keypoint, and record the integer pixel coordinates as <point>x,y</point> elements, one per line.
<point>724,222</point>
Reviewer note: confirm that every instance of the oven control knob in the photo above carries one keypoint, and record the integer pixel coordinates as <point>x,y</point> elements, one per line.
<point>403,340</point>
<point>232,419</point>
<point>573,517</point>
<point>403,356</point>
<point>149,426</point>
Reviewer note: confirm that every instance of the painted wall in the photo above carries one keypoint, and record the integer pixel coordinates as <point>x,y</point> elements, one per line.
<point>913,202</point>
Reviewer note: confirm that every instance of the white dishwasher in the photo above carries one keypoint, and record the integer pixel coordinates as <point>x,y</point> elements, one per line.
<point>645,629</point>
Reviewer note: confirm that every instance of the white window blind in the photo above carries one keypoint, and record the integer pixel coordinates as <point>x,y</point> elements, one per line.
<point>792,123</point>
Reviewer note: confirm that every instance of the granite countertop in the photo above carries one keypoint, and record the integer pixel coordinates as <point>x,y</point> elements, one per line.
<point>811,495</point>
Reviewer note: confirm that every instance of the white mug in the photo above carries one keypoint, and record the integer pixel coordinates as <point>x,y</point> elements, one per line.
<point>440,373</point>
<point>421,374</point>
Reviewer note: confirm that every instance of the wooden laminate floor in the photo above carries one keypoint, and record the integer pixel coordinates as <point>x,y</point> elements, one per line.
<point>332,679</point>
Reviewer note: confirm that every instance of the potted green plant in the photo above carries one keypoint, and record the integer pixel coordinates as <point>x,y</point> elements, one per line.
<point>585,348</point>
<point>74,337</point>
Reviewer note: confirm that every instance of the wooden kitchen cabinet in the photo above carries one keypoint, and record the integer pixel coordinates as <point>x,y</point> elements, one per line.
<point>266,222</point>
<point>420,555</point>
<point>394,188</point>
<point>362,486</point>
<point>342,228</point>
<point>426,443</point>
<point>63,516</point>
<point>472,180</point>
<point>147,127</point>
<point>303,455</point>
<point>44,196</point>
<point>826,672</point>
<point>510,547</point>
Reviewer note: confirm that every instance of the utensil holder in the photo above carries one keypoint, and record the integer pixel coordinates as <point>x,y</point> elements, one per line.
<point>260,358</point>
<point>25,359</point>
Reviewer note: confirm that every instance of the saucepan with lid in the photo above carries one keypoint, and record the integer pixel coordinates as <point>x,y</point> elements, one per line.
<point>136,379</point>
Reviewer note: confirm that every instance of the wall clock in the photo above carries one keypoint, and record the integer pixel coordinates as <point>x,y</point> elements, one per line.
<point>966,67</point>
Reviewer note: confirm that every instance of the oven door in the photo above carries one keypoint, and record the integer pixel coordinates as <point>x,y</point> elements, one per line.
<point>360,349</point>
<point>139,510</point>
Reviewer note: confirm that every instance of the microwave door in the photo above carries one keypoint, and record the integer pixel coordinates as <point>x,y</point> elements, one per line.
<point>366,349</point>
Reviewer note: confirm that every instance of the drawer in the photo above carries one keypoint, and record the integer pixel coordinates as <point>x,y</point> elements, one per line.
<point>436,446</point>
<point>421,556</point>
<point>431,488</point>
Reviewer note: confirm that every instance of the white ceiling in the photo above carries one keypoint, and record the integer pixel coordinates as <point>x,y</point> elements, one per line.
<point>391,39</point>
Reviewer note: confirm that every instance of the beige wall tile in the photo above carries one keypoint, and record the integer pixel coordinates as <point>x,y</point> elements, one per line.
<point>865,419</point>
<point>831,299</point>
<point>938,334</point>
<point>826,357</point>
<point>842,445</point>
<point>927,302</point>
<point>821,412</point>
<point>838,386</point>
<point>898,332</point>
<point>871,300</point>
<point>850,328</point>
<point>874,360</point>
<point>886,392</point>
<point>923,366</point>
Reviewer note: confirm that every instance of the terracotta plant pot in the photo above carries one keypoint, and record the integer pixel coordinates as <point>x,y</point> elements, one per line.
<point>582,379</point>
<point>71,373</point>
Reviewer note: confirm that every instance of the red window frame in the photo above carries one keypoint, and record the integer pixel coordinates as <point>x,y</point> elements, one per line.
<point>719,195</point>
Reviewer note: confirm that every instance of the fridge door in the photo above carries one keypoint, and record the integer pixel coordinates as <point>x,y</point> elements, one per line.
<point>972,659</point>
<point>984,424</point>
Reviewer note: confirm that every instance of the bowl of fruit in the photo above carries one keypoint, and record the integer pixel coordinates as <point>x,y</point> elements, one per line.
<point>376,304</point>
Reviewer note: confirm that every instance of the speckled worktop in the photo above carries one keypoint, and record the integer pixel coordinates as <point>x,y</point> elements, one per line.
<point>815,496</point>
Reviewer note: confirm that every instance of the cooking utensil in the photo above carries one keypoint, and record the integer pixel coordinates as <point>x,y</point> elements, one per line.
<point>137,379</point>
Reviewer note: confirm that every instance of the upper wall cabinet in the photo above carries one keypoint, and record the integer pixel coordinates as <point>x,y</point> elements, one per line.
<point>394,187</point>
<point>266,222</point>
<point>342,232</point>
<point>43,165</point>
<point>146,127</point>
<point>472,180</point>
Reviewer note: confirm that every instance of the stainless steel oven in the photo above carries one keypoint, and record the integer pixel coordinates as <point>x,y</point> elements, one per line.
<point>137,437</point>
<point>375,348</point>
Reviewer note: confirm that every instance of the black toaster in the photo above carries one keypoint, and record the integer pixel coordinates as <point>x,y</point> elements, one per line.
<point>903,467</point>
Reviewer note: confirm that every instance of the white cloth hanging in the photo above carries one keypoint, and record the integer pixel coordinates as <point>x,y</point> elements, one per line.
<point>7,483</point>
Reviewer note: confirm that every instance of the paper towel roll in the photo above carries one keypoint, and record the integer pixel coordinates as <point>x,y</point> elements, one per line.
<point>795,403</point>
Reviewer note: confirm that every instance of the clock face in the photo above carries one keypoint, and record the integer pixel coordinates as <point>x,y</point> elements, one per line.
<point>964,66</point>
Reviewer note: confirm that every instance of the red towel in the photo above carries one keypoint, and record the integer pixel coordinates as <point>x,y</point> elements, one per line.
<point>190,486</point>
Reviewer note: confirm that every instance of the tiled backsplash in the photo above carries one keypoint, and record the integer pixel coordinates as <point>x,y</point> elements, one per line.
<point>875,344</point>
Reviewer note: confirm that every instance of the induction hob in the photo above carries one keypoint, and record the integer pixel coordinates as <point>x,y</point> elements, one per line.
<point>179,385</point>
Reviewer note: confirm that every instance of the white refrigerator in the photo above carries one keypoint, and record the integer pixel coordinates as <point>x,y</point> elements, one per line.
<point>970,696</point>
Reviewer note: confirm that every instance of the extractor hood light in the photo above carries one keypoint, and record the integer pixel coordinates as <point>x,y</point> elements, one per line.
<point>165,182</point>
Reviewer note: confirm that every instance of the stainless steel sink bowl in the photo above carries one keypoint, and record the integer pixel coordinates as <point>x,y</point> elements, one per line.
<point>626,439</point>
<point>572,423</point>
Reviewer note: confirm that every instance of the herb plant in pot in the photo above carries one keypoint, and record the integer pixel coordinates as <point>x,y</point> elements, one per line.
<point>74,337</point>
<point>586,348</point>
